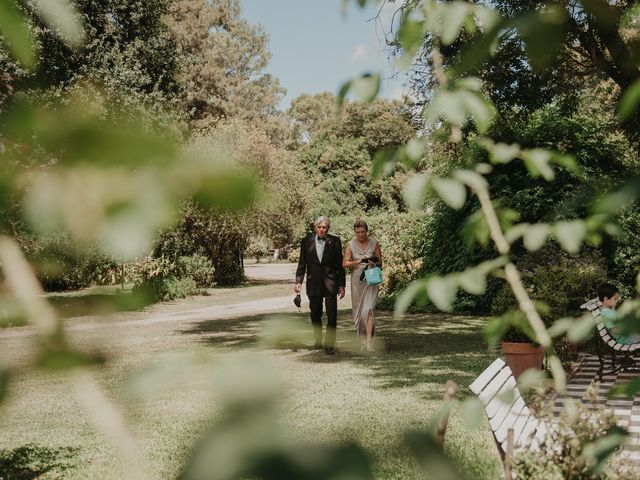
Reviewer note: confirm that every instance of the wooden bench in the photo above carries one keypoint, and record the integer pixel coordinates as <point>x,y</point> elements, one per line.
<point>512,424</point>
<point>622,357</point>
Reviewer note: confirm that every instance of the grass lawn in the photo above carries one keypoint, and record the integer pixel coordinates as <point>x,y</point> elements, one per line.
<point>349,396</point>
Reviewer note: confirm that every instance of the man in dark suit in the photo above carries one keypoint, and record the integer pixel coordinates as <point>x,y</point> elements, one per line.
<point>321,260</point>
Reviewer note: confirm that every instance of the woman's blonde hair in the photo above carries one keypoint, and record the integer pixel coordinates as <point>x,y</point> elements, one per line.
<point>361,224</point>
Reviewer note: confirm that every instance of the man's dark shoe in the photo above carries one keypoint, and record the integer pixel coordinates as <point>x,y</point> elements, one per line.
<point>330,350</point>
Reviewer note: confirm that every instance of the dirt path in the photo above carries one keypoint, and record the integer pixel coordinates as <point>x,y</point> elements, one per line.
<point>271,292</point>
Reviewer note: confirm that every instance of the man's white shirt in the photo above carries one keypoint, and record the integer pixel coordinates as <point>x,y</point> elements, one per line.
<point>320,247</point>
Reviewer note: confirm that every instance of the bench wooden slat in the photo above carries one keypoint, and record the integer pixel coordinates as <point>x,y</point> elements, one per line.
<point>527,431</point>
<point>494,382</point>
<point>490,390</point>
<point>485,377</point>
<point>500,415</point>
<point>510,420</point>
<point>496,404</point>
<point>518,427</point>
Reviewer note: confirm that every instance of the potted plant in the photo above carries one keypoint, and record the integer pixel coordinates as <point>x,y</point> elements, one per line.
<point>520,352</point>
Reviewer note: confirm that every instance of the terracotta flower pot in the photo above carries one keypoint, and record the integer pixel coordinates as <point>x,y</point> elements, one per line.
<point>522,356</point>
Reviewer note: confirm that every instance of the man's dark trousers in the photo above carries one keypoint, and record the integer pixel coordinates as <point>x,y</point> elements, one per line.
<point>331,307</point>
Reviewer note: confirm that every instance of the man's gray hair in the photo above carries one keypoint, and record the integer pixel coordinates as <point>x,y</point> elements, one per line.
<point>320,219</point>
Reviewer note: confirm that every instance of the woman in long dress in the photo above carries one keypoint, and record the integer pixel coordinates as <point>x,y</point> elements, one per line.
<point>362,252</point>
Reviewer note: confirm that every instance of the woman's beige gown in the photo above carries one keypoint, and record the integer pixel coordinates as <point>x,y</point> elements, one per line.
<point>363,296</point>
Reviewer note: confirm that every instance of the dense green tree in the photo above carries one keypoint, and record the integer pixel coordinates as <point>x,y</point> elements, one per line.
<point>278,215</point>
<point>596,42</point>
<point>339,156</point>
<point>129,58</point>
<point>562,99</point>
<point>607,159</point>
<point>223,61</point>
<point>311,113</point>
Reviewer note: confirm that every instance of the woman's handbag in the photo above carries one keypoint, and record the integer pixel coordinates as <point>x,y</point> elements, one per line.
<point>373,276</point>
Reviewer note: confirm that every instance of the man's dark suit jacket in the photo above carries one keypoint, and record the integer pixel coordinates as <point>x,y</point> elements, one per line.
<point>323,278</point>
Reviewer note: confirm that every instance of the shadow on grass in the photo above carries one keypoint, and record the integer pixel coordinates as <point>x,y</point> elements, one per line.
<point>419,349</point>
<point>430,349</point>
<point>31,461</point>
<point>235,332</point>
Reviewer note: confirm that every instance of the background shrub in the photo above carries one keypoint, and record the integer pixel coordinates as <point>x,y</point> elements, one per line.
<point>560,280</point>
<point>198,267</point>
<point>258,248</point>
<point>63,264</point>
<point>162,279</point>
<point>168,288</point>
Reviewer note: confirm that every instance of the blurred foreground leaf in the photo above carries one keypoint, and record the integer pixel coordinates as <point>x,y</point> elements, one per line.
<point>442,292</point>
<point>570,234</point>
<point>628,389</point>
<point>629,101</point>
<point>406,297</point>
<point>366,87</point>
<point>451,191</point>
<point>65,359</point>
<point>431,458</point>
<point>530,378</point>
<point>536,236</point>
<point>248,441</point>
<point>63,17</point>
<point>414,190</point>
<point>598,452</point>
<point>14,29</point>
<point>384,163</point>
<point>542,33</point>
<point>287,332</point>
<point>227,190</point>
<point>146,381</point>
<point>12,313</point>
<point>472,412</point>
<point>4,383</point>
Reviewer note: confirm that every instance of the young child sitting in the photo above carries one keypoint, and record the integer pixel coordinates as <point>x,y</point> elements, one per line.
<point>609,297</point>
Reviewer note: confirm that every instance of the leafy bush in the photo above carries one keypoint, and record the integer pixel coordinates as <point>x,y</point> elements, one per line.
<point>294,254</point>
<point>257,248</point>
<point>170,288</point>
<point>62,264</point>
<point>163,279</point>
<point>622,253</point>
<point>215,236</point>
<point>561,281</point>
<point>198,267</point>
<point>569,452</point>
<point>606,157</point>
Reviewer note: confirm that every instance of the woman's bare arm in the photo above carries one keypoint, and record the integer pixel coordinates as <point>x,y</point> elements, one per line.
<point>347,259</point>
<point>378,253</point>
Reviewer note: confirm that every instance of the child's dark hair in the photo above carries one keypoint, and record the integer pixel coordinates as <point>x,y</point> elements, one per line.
<point>606,290</point>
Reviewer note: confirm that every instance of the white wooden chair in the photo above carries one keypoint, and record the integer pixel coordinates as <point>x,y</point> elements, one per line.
<point>621,356</point>
<point>493,387</point>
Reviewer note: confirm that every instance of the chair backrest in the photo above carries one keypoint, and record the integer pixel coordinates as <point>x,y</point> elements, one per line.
<point>595,307</point>
<point>505,407</point>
